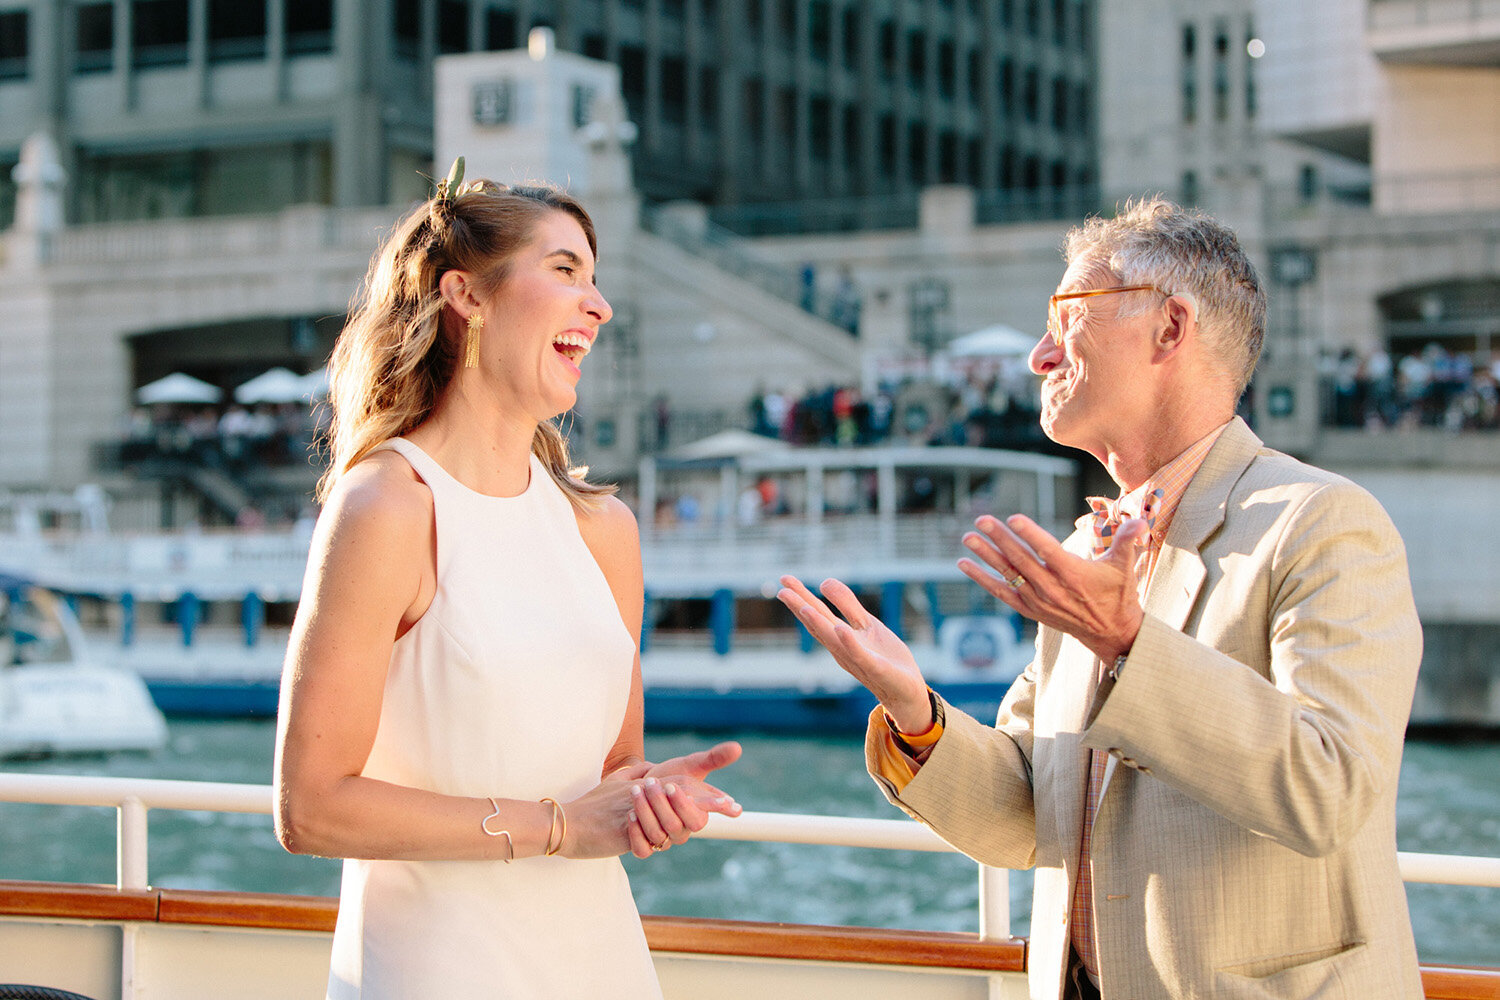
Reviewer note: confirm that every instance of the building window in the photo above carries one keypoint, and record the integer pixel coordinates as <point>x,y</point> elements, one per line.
<point>947,69</point>
<point>236,30</point>
<point>887,142</point>
<point>916,58</point>
<point>754,114</point>
<point>916,152</point>
<point>1059,22</point>
<point>309,27</point>
<point>1031,98</point>
<point>786,21</point>
<point>820,30</point>
<point>753,16</point>
<point>1190,188</point>
<point>408,25</point>
<point>583,104</point>
<point>1006,78</point>
<point>159,33</point>
<point>1033,17</point>
<point>7,192</point>
<point>595,46</point>
<point>1254,48</point>
<point>1221,74</point>
<point>786,113</point>
<point>95,39</point>
<point>453,26</point>
<point>633,79</point>
<point>1189,74</point>
<point>890,55</point>
<point>975,72</point>
<point>14,44</point>
<point>851,22</point>
<point>500,33</point>
<point>820,128</point>
<point>708,97</point>
<point>674,85</point>
<point>947,158</point>
<point>1307,182</point>
<point>853,137</point>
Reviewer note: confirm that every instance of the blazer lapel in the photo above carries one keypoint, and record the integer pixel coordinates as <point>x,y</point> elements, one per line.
<point>1179,574</point>
<point>1178,577</point>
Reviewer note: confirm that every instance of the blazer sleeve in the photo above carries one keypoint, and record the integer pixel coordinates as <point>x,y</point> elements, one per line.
<point>1298,748</point>
<point>974,791</point>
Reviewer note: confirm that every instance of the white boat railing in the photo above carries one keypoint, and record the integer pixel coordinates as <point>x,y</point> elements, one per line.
<point>133,798</point>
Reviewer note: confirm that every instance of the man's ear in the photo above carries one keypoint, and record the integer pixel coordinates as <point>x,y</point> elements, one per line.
<point>1181,312</point>
<point>460,292</point>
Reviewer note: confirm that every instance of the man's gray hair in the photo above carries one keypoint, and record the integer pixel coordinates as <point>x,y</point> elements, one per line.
<point>1184,252</point>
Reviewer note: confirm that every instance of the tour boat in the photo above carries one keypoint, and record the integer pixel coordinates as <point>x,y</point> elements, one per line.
<point>202,615</point>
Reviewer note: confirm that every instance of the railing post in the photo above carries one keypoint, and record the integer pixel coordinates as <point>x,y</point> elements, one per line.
<point>994,903</point>
<point>130,861</point>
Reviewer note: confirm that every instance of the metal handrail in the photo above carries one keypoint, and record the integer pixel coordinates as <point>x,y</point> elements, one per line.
<point>133,798</point>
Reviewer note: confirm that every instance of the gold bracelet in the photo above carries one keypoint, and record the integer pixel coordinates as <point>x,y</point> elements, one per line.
<point>484,824</point>
<point>557,816</point>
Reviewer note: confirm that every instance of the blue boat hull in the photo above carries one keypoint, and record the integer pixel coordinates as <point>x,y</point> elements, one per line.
<point>668,709</point>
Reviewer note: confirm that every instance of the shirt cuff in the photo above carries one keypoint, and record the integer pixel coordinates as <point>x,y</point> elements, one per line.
<point>901,755</point>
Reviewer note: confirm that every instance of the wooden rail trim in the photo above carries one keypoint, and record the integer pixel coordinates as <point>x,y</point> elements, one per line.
<point>803,942</point>
<point>271,911</point>
<point>1440,982</point>
<point>681,935</point>
<point>74,901</point>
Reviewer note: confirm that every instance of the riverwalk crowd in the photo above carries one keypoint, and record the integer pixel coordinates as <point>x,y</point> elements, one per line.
<point>1432,387</point>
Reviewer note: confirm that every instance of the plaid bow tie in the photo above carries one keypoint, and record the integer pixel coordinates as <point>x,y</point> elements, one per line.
<point>1108,515</point>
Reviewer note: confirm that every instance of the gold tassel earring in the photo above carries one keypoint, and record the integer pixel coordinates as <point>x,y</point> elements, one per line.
<point>471,347</point>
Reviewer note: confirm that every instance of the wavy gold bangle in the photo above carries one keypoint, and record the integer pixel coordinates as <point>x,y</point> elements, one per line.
<point>484,824</point>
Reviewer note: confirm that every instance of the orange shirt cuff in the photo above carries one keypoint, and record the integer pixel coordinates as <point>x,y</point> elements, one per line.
<point>892,762</point>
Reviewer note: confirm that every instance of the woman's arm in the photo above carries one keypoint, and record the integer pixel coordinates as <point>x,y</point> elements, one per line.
<point>613,538</point>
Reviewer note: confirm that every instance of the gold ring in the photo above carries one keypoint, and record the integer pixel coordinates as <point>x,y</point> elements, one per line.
<point>666,842</point>
<point>1017,582</point>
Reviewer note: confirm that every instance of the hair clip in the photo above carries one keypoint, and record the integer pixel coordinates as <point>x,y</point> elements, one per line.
<point>448,187</point>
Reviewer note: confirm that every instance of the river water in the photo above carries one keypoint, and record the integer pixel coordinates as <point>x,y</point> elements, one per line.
<point>1449,804</point>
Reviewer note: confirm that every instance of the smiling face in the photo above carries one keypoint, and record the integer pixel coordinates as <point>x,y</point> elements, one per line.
<point>542,320</point>
<point>1096,384</point>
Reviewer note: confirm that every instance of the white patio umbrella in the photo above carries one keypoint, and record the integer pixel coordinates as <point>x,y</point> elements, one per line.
<point>279,385</point>
<point>728,444</point>
<point>998,341</point>
<point>178,387</point>
<point>315,384</point>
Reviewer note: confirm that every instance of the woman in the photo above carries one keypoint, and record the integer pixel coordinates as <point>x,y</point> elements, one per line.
<point>461,711</point>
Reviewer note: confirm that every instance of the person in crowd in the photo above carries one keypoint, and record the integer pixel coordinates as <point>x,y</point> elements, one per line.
<point>1201,760</point>
<point>461,713</point>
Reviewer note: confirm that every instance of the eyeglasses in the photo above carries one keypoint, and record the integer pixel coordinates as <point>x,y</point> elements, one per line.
<point>1054,319</point>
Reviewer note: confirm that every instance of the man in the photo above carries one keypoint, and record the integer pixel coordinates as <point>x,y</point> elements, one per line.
<point>1201,760</point>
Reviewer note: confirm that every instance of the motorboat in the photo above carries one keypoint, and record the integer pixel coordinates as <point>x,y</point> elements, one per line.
<point>54,699</point>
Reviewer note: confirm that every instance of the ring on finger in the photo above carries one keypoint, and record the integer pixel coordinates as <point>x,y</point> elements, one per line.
<point>666,842</point>
<point>1017,583</point>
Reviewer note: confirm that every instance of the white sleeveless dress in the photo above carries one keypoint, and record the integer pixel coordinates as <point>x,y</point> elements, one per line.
<point>514,684</point>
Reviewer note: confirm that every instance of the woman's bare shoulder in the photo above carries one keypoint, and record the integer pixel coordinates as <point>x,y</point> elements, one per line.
<point>381,499</point>
<point>609,529</point>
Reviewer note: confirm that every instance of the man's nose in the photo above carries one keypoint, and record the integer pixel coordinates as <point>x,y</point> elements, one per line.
<point>1045,356</point>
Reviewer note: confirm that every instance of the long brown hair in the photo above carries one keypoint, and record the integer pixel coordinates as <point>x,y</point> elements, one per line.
<point>393,359</point>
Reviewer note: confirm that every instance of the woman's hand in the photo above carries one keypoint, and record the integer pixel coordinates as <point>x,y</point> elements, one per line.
<point>865,648</point>
<point>644,808</point>
<point>673,801</point>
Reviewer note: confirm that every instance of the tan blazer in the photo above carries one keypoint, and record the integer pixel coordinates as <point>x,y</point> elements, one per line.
<point>1245,843</point>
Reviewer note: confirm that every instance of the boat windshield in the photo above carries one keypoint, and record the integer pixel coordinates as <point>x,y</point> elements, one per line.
<point>31,628</point>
